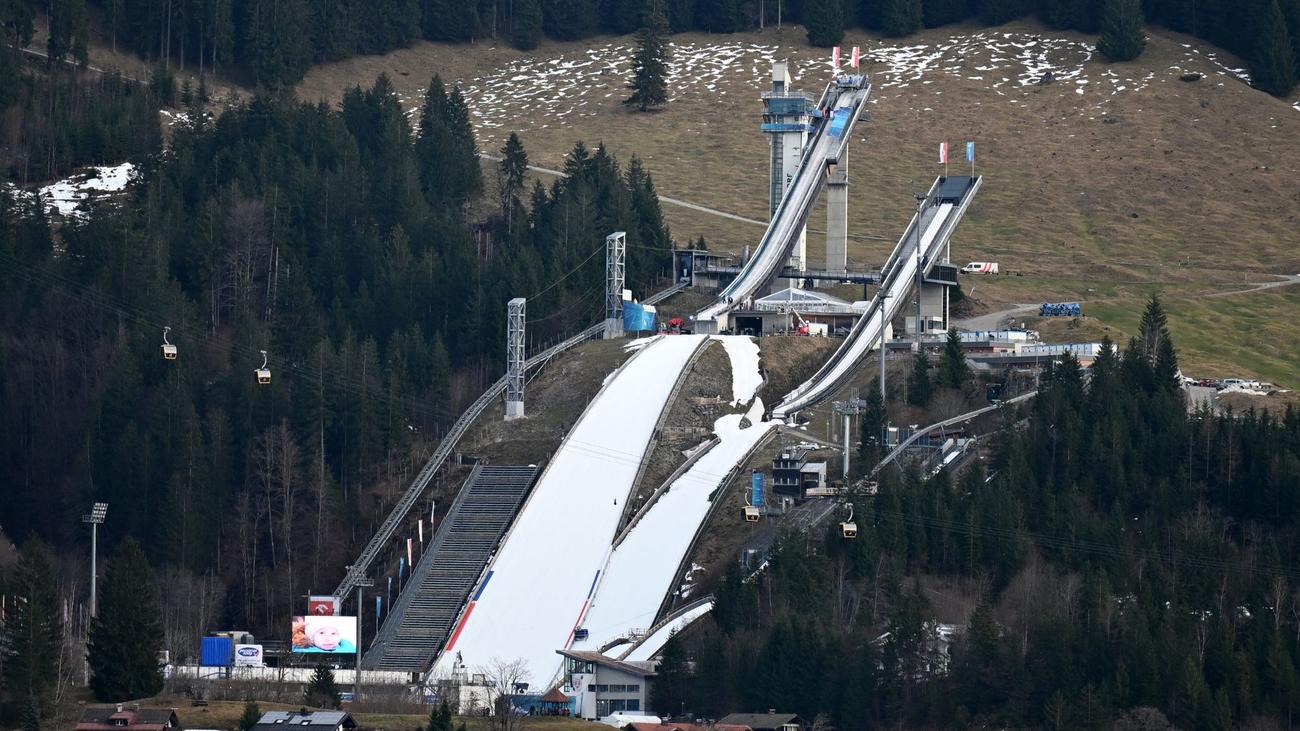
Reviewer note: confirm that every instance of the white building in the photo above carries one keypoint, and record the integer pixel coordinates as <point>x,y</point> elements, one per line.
<point>602,686</point>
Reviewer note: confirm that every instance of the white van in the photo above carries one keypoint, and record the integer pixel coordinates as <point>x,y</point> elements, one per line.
<point>980,267</point>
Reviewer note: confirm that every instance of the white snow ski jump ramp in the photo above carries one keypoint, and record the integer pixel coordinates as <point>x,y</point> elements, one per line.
<point>944,206</point>
<point>537,587</point>
<point>842,101</point>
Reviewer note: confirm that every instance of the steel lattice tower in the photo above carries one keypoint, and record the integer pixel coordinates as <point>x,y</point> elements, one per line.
<point>615,275</point>
<point>516,320</point>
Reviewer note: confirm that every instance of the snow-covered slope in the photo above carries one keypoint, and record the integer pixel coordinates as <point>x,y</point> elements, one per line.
<point>642,570</point>
<point>540,582</point>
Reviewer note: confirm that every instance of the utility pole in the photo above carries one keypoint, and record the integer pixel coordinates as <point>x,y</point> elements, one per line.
<point>883,296</point>
<point>95,517</point>
<point>361,584</point>
<point>851,407</point>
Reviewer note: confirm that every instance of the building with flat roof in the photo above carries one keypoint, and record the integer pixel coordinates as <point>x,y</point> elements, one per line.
<point>770,721</point>
<point>305,720</point>
<point>601,686</point>
<point>135,718</point>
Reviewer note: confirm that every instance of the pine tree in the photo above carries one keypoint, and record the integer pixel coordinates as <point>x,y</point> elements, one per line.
<point>1273,67</point>
<point>672,679</point>
<point>718,16</point>
<point>512,172</point>
<point>871,433</point>
<point>824,20</point>
<point>997,12</point>
<point>954,372</point>
<point>449,20</point>
<point>569,20</point>
<point>127,634</point>
<point>321,690</point>
<point>920,387</point>
<point>440,718</point>
<point>900,17</point>
<point>649,83</point>
<point>252,714</point>
<point>1122,38</point>
<point>935,13</point>
<point>527,22</point>
<point>68,32</point>
<point>35,635</point>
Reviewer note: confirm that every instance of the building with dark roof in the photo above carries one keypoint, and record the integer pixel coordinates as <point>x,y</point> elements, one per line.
<point>305,719</point>
<point>602,686</point>
<point>769,721</point>
<point>118,718</point>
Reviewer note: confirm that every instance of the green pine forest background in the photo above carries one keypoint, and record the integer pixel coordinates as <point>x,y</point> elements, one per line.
<point>1133,560</point>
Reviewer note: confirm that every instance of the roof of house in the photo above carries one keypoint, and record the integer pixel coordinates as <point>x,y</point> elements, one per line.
<point>143,719</point>
<point>791,296</point>
<point>759,721</point>
<point>609,662</point>
<point>555,695</point>
<point>278,720</point>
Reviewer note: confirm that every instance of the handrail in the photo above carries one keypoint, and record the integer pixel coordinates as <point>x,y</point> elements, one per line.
<point>385,532</point>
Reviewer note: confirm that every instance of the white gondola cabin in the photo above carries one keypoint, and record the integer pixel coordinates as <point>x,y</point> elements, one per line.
<point>751,514</point>
<point>168,350</point>
<point>263,373</point>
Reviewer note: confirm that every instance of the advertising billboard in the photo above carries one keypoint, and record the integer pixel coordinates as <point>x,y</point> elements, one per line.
<point>336,635</point>
<point>637,317</point>
<point>756,489</point>
<point>323,606</point>
<point>248,656</point>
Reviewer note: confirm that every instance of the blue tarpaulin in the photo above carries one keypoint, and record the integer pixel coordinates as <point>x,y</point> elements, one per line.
<point>638,317</point>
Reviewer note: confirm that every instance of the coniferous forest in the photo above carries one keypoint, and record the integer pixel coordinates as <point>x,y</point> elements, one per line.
<point>271,43</point>
<point>370,260</point>
<point>1135,563</point>
<point>1135,568</point>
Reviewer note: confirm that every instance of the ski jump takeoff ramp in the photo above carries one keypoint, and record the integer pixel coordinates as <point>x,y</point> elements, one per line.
<point>538,586</point>
<point>943,208</point>
<point>841,104</point>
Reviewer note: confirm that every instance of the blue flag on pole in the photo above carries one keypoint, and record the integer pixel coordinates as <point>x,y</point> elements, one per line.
<point>970,151</point>
<point>379,606</point>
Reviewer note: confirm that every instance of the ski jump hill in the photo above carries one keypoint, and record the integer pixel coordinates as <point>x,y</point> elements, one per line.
<point>562,576</point>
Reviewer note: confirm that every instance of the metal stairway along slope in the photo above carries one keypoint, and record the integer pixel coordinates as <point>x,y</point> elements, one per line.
<point>943,208</point>
<point>419,621</point>
<point>843,100</point>
<point>384,533</point>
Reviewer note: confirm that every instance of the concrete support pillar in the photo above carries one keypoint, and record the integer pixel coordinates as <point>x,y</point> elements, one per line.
<point>837,218</point>
<point>516,320</point>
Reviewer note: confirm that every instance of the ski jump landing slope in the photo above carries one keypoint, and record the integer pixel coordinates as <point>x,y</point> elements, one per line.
<point>538,586</point>
<point>944,207</point>
<point>642,570</point>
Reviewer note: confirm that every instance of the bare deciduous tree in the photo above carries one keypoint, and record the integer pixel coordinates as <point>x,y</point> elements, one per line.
<point>506,679</point>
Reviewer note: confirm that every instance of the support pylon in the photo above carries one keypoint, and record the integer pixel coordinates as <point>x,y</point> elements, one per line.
<point>516,320</point>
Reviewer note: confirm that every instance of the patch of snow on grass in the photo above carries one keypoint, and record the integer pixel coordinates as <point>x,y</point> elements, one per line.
<point>69,196</point>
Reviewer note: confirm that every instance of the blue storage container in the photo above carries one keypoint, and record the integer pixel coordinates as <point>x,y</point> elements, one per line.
<point>216,652</point>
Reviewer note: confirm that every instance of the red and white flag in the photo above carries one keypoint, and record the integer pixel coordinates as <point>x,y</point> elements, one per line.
<point>421,524</point>
<point>943,153</point>
<point>408,554</point>
<point>855,57</point>
<point>835,57</point>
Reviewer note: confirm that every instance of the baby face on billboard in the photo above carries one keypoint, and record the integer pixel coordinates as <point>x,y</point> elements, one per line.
<point>325,637</point>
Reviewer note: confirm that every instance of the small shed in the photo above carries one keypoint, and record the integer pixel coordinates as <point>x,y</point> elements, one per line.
<point>555,703</point>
